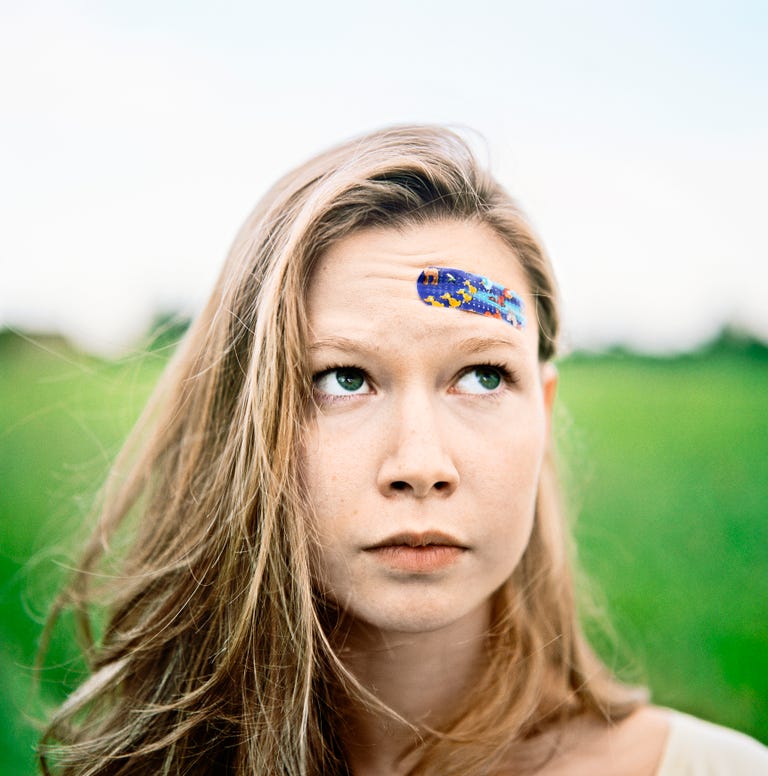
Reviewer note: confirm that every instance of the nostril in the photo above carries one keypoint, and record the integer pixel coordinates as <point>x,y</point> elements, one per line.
<point>401,485</point>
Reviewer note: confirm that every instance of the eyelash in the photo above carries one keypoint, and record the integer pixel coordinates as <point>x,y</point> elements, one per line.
<point>328,398</point>
<point>507,375</point>
<point>509,378</point>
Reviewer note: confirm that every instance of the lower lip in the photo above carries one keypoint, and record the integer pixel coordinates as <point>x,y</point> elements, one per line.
<point>432,557</point>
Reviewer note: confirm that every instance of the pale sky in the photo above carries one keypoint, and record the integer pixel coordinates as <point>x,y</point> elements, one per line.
<point>136,136</point>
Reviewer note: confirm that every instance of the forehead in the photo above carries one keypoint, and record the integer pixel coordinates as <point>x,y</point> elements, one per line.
<point>368,279</point>
<point>397,251</point>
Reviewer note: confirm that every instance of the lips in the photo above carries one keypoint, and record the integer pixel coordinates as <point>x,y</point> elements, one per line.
<point>418,553</point>
<point>427,539</point>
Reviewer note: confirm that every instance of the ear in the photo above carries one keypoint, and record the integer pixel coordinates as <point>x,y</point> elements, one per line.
<point>549,377</point>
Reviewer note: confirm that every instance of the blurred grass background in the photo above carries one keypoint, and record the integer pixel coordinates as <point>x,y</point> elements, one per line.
<point>668,469</point>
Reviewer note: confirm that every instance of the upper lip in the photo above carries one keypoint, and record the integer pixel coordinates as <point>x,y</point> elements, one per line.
<point>413,539</point>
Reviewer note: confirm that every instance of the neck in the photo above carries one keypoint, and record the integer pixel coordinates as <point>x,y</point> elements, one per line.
<point>422,677</point>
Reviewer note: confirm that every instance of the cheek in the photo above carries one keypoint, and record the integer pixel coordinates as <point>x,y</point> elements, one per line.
<point>321,486</point>
<point>505,477</point>
<point>332,473</point>
<point>510,455</point>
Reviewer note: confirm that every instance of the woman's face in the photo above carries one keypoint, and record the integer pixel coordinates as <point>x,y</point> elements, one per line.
<point>423,456</point>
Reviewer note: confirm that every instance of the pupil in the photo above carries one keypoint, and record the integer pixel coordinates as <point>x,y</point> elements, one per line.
<point>488,378</point>
<point>349,380</point>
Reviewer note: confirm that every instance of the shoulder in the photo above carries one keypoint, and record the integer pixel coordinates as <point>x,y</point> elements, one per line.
<point>652,741</point>
<point>588,746</point>
<point>698,748</point>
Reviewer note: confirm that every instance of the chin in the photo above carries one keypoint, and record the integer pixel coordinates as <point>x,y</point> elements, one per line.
<point>410,622</point>
<point>414,616</point>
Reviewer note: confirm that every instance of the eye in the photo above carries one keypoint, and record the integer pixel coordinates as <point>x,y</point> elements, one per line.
<point>342,381</point>
<point>481,379</point>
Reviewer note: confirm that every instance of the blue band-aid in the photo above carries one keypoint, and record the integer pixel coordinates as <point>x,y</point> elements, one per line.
<point>448,287</point>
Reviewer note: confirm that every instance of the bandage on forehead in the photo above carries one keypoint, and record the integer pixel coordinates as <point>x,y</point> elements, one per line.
<point>455,288</point>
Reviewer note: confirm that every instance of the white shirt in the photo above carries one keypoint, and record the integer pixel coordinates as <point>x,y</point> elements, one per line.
<point>698,748</point>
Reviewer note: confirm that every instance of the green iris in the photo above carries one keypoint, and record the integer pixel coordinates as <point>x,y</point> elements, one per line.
<point>490,379</point>
<point>350,379</point>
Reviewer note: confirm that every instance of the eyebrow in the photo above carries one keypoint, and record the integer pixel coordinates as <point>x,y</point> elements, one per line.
<point>468,345</point>
<point>482,344</point>
<point>337,343</point>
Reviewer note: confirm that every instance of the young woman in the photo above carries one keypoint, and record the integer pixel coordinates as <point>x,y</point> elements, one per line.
<point>334,543</point>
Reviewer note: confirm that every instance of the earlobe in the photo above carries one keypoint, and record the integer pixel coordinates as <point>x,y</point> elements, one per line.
<point>549,377</point>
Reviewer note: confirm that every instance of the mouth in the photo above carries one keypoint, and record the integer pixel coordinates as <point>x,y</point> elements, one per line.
<point>419,540</point>
<point>418,553</point>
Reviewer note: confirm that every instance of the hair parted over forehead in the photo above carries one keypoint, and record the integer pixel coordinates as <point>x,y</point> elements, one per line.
<point>216,656</point>
<point>398,176</point>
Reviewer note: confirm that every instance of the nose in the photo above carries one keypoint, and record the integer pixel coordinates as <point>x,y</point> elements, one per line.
<point>418,462</point>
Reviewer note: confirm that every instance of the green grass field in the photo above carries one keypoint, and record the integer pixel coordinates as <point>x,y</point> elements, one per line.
<point>668,470</point>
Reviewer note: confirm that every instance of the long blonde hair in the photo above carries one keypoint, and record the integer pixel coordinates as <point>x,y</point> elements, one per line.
<point>215,656</point>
